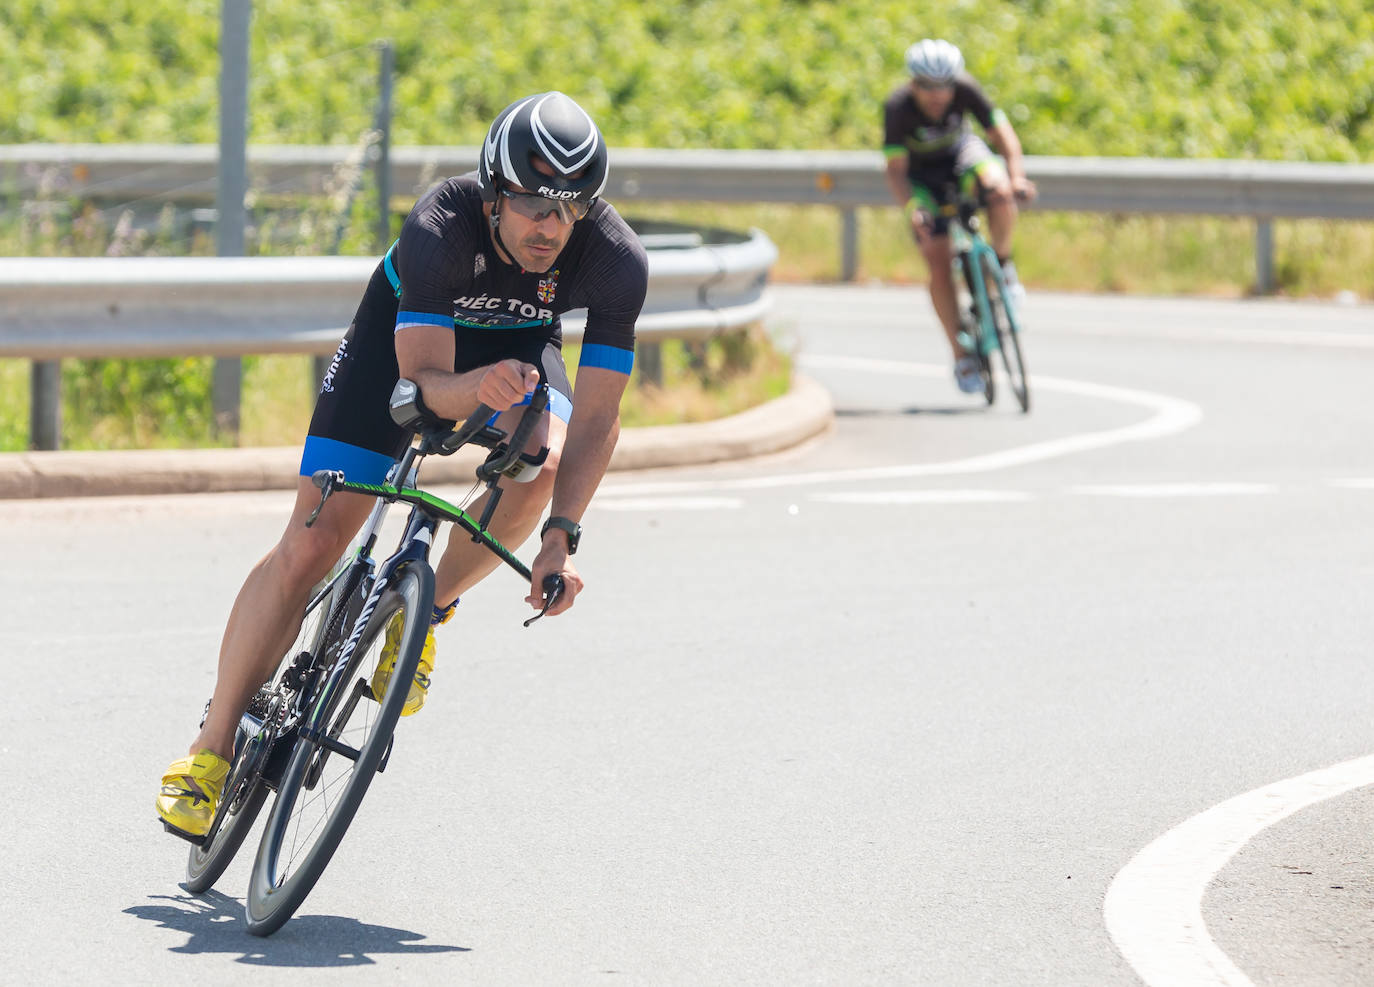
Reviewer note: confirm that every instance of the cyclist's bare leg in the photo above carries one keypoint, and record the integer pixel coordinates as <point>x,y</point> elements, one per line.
<point>1001,214</point>
<point>465,563</point>
<point>266,616</point>
<point>938,257</point>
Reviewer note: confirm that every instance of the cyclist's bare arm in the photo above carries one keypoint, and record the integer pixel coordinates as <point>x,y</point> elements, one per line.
<point>592,434</point>
<point>1004,140</point>
<point>424,354</point>
<point>897,183</point>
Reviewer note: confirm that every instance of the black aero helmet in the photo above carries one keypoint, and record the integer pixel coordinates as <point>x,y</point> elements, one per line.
<point>556,129</point>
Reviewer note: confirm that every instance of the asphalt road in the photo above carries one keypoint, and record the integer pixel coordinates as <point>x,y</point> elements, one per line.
<point>951,695</point>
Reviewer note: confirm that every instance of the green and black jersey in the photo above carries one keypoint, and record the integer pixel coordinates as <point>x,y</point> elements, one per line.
<point>926,142</point>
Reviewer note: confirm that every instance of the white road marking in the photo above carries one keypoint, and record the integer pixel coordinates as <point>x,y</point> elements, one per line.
<point>670,503</point>
<point>923,497</point>
<point>1171,416</point>
<point>1195,333</point>
<point>1354,483</point>
<point>1172,489</point>
<point>1153,908</point>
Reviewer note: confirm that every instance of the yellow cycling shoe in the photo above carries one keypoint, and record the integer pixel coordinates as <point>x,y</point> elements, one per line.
<point>420,686</point>
<point>190,792</point>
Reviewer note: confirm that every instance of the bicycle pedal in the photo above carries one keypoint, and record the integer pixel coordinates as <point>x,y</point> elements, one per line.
<point>196,840</point>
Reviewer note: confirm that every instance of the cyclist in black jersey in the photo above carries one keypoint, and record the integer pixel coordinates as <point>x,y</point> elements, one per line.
<point>930,147</point>
<point>466,303</point>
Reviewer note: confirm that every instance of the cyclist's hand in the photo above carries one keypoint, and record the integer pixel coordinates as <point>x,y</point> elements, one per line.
<point>1024,189</point>
<point>504,385</point>
<point>550,560</point>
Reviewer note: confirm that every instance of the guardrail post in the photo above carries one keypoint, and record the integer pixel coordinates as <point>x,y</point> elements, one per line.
<point>319,366</point>
<point>849,243</point>
<point>649,360</point>
<point>232,187</point>
<point>385,72</point>
<point>45,404</point>
<point>1264,256</point>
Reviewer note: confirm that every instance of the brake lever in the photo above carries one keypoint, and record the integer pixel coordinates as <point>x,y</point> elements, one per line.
<point>553,589</point>
<point>325,480</point>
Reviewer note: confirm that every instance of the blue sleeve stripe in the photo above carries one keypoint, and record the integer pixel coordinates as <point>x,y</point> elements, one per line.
<point>358,464</point>
<point>607,357</point>
<point>405,320</point>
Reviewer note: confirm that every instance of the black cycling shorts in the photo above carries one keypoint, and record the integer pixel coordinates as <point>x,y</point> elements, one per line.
<point>940,182</point>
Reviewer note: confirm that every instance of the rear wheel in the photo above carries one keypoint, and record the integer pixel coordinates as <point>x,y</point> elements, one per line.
<point>329,772</point>
<point>243,796</point>
<point>1006,321</point>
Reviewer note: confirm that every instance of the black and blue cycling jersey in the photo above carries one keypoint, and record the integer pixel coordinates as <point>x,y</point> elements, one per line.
<point>444,270</point>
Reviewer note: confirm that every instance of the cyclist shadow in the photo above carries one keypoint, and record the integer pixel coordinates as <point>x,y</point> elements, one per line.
<point>215,923</point>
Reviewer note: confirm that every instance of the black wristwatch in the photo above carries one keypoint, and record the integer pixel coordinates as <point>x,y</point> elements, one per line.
<point>573,529</point>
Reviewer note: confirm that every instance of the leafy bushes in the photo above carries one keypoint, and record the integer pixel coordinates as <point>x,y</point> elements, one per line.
<point>1176,78</point>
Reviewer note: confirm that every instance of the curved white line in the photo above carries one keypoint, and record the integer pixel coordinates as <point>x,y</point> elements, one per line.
<point>1171,415</point>
<point>1153,908</point>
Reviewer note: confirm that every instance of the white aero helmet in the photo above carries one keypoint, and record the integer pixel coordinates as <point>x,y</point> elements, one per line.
<point>934,61</point>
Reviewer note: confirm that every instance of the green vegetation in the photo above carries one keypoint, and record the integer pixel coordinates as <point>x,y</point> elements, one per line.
<point>165,404</point>
<point>1174,78</point>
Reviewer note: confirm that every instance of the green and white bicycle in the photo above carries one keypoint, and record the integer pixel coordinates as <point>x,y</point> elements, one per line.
<point>989,316</point>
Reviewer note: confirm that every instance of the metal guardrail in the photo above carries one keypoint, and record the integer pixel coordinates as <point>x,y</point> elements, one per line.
<point>847,180</point>
<point>53,308</point>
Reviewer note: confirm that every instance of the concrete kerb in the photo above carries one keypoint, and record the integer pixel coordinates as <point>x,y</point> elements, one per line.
<point>805,411</point>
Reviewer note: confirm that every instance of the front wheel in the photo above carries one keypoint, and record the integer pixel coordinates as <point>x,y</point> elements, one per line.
<point>330,771</point>
<point>974,326</point>
<point>1006,320</point>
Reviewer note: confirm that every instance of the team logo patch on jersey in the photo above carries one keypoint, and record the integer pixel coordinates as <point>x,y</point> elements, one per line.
<point>479,265</point>
<point>547,287</point>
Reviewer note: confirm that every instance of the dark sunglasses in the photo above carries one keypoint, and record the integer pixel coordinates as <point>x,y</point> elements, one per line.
<point>930,85</point>
<point>534,206</point>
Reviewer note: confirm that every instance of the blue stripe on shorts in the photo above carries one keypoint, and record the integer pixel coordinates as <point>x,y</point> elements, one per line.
<point>358,464</point>
<point>559,403</point>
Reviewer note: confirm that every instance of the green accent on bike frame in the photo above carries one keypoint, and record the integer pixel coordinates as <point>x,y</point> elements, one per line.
<point>438,506</point>
<point>978,248</point>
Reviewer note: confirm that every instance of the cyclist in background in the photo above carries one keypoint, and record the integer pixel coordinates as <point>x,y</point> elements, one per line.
<point>929,145</point>
<point>466,303</point>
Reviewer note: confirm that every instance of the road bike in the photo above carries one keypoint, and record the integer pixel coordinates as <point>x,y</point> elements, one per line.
<point>320,733</point>
<point>989,316</point>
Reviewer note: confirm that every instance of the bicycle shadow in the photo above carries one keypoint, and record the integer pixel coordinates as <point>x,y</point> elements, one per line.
<point>215,924</point>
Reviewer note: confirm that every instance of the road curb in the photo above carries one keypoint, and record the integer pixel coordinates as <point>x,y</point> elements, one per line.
<point>805,411</point>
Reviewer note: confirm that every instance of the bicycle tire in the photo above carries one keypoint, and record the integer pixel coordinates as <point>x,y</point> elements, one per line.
<point>206,863</point>
<point>1008,336</point>
<point>288,865</point>
<point>976,331</point>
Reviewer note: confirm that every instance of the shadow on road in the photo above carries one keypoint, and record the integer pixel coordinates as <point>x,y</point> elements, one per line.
<point>966,409</point>
<point>215,923</point>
